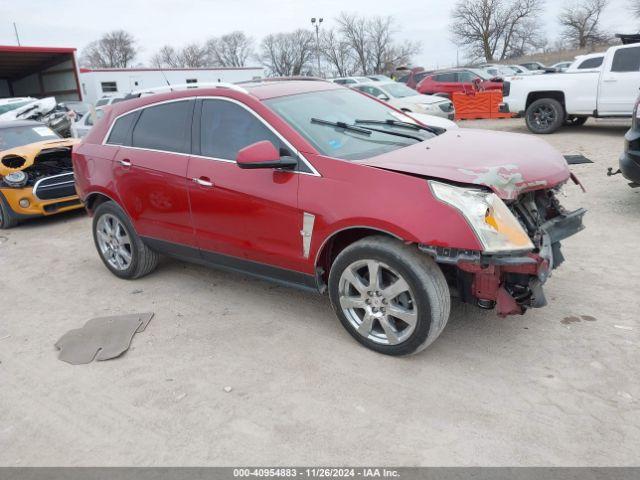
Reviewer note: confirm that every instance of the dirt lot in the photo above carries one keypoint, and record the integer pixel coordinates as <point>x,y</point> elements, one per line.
<point>549,387</point>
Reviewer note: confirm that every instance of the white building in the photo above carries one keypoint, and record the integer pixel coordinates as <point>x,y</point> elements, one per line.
<point>97,83</point>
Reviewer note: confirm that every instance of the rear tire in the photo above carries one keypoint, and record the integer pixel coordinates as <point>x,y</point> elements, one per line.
<point>8,219</point>
<point>374,313</point>
<point>545,116</point>
<point>119,246</point>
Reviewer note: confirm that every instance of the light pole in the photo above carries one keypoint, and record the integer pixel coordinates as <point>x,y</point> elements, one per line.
<point>316,24</point>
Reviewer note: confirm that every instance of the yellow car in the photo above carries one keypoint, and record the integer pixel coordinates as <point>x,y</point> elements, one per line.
<point>36,175</point>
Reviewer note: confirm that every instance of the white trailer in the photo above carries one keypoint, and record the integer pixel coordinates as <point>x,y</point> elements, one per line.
<point>98,83</point>
<point>39,72</point>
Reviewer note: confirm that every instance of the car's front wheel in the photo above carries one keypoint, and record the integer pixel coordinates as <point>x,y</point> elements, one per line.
<point>389,296</point>
<point>8,219</point>
<point>118,244</point>
<point>545,115</point>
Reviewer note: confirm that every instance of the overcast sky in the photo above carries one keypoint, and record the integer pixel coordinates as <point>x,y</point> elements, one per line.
<point>161,22</point>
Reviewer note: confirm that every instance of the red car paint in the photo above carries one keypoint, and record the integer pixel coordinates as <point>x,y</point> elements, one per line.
<point>492,159</point>
<point>257,215</point>
<point>439,83</point>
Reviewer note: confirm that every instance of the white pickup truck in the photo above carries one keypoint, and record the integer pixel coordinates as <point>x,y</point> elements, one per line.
<point>568,98</point>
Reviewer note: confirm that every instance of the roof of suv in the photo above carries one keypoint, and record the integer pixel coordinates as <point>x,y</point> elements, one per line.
<point>282,88</point>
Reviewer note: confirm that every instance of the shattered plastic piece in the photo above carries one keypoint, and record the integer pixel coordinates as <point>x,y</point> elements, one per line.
<point>228,389</point>
<point>101,338</point>
<point>623,327</point>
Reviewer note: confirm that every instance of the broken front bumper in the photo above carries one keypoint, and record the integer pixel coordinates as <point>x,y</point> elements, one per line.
<point>510,283</point>
<point>25,204</point>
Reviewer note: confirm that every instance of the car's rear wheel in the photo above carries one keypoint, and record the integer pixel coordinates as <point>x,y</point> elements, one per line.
<point>118,244</point>
<point>545,116</point>
<point>8,218</point>
<point>389,296</point>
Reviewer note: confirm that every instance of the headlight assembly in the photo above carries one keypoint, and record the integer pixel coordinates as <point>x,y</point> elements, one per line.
<point>16,179</point>
<point>491,220</point>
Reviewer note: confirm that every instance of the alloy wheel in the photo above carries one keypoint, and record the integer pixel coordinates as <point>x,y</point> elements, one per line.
<point>544,116</point>
<point>114,242</point>
<point>378,302</point>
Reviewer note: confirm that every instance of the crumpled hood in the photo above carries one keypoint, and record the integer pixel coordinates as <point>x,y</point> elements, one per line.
<point>29,152</point>
<point>508,163</point>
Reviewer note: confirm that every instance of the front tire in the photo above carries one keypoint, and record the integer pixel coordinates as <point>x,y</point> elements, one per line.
<point>545,115</point>
<point>389,296</point>
<point>119,246</point>
<point>8,218</point>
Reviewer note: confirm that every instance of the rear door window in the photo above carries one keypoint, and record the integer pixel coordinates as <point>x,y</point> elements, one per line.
<point>626,60</point>
<point>164,127</point>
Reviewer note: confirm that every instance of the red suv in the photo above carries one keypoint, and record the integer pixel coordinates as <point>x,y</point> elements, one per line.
<point>318,186</point>
<point>457,81</point>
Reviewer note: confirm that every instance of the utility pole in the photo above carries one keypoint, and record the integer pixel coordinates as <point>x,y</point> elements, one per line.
<point>15,29</point>
<point>316,24</point>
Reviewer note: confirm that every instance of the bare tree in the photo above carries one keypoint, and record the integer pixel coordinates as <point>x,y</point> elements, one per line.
<point>581,22</point>
<point>193,56</point>
<point>287,54</point>
<point>230,50</point>
<point>166,57</point>
<point>190,56</point>
<point>493,29</point>
<point>353,29</point>
<point>635,8</point>
<point>372,44</point>
<point>337,53</point>
<point>116,49</point>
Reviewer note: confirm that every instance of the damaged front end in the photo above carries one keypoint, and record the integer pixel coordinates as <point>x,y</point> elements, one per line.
<point>37,179</point>
<point>512,281</point>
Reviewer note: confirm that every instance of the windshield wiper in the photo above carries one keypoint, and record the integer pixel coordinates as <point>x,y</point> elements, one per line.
<point>363,130</point>
<point>398,123</point>
<point>345,126</point>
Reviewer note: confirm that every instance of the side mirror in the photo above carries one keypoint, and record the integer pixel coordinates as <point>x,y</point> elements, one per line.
<point>263,155</point>
<point>383,97</point>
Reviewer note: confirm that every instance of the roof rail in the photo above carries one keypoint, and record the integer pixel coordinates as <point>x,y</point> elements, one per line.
<point>185,86</point>
<point>285,79</point>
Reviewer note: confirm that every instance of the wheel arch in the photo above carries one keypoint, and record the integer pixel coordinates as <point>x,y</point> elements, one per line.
<point>93,199</point>
<point>554,94</point>
<point>338,241</point>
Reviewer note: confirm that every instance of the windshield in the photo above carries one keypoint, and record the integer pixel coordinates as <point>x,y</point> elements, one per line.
<point>13,137</point>
<point>12,106</point>
<point>399,90</point>
<point>345,106</point>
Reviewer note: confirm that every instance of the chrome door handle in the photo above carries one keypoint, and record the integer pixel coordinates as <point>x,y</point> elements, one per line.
<point>125,163</point>
<point>203,182</point>
<point>610,80</point>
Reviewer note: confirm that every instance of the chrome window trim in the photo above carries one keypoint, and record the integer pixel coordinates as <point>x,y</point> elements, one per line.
<point>37,184</point>
<point>108,134</point>
<point>313,172</point>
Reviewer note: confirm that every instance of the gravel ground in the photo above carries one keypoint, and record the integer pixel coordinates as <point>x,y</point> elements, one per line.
<point>557,386</point>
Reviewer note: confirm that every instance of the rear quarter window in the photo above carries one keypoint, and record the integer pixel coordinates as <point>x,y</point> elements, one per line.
<point>121,129</point>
